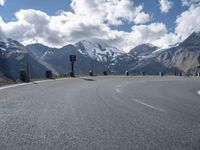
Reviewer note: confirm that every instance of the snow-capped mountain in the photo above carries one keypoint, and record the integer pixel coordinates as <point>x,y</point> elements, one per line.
<point>58,59</point>
<point>185,56</point>
<point>89,54</point>
<point>143,50</point>
<point>14,57</point>
<point>146,57</point>
<point>139,59</point>
<point>99,56</point>
<point>11,47</point>
<point>99,51</point>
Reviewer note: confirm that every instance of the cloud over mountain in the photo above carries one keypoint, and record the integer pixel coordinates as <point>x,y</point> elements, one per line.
<point>98,19</point>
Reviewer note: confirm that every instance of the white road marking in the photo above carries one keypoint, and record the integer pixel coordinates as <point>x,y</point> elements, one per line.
<point>42,81</point>
<point>61,79</point>
<point>12,86</point>
<point>150,106</point>
<point>118,90</point>
<point>198,92</point>
<point>22,84</point>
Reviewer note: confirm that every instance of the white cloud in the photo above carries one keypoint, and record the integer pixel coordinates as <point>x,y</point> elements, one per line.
<point>153,33</point>
<point>31,26</point>
<point>167,40</point>
<point>2,2</point>
<point>190,2</point>
<point>56,31</point>
<point>165,5</point>
<point>142,18</point>
<point>112,11</point>
<point>188,22</point>
<point>89,20</point>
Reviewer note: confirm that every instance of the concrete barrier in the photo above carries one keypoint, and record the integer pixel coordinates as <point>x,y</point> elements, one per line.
<point>105,73</point>
<point>161,74</point>
<point>23,76</point>
<point>143,73</point>
<point>91,73</point>
<point>126,73</point>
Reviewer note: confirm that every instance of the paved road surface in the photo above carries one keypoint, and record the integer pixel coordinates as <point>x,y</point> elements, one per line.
<point>138,113</point>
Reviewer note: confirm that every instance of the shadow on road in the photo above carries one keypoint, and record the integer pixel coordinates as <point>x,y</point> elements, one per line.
<point>87,79</point>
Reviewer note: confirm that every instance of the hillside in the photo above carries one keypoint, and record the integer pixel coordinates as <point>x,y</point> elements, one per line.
<point>14,57</point>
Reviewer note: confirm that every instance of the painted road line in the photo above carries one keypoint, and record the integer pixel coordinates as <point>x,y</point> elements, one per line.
<point>198,92</point>
<point>12,86</point>
<point>150,106</point>
<point>118,90</point>
<point>23,84</point>
<point>42,81</point>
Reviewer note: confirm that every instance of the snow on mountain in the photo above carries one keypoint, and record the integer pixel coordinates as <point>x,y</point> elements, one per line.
<point>144,51</point>
<point>10,47</point>
<point>144,57</point>
<point>58,59</point>
<point>14,58</point>
<point>99,51</point>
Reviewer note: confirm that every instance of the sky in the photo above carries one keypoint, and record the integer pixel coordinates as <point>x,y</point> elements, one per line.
<point>120,23</point>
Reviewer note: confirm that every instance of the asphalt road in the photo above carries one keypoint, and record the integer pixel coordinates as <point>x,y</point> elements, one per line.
<point>138,113</point>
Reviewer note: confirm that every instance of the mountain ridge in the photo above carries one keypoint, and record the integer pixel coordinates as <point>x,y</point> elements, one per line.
<point>99,56</point>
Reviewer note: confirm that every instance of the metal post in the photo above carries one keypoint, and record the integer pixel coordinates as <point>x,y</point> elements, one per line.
<point>28,72</point>
<point>72,59</point>
<point>73,67</point>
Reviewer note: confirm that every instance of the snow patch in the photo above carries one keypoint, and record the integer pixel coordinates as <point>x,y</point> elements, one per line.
<point>3,49</point>
<point>198,92</point>
<point>46,53</point>
<point>99,50</point>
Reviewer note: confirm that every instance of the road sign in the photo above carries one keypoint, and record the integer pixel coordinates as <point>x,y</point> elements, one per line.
<point>72,57</point>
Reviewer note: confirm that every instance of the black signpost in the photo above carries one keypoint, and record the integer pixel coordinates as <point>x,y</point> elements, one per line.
<point>72,59</point>
<point>28,72</point>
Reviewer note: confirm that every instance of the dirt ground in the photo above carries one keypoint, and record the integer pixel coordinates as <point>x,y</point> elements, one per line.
<point>4,82</point>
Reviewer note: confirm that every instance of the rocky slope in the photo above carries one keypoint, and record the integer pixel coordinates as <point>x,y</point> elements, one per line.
<point>185,57</point>
<point>14,57</point>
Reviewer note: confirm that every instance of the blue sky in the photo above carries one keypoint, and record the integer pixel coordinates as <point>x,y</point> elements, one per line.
<point>52,7</point>
<point>49,6</point>
<point>131,19</point>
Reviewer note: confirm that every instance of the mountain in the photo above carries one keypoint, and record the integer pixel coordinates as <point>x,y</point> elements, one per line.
<point>58,59</point>
<point>143,50</point>
<point>185,56</point>
<point>99,56</point>
<point>139,59</point>
<point>14,57</point>
<point>99,51</point>
<point>147,58</point>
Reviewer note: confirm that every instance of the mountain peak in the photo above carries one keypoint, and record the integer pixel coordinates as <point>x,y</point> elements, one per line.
<point>192,40</point>
<point>12,46</point>
<point>98,50</point>
<point>146,45</point>
<point>143,50</point>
